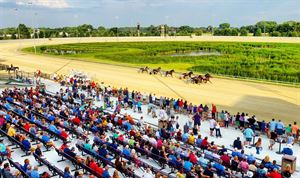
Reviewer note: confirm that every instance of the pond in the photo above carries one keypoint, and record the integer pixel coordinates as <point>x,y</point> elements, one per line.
<point>196,53</point>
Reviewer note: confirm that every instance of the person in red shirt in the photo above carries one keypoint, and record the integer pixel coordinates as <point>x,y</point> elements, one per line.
<point>64,134</point>
<point>204,143</point>
<point>193,158</point>
<point>27,126</point>
<point>99,169</point>
<point>93,165</point>
<point>274,174</point>
<point>225,159</point>
<point>76,121</point>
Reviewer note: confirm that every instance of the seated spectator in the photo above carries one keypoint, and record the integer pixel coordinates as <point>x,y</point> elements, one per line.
<point>274,174</point>
<point>4,150</point>
<point>11,131</point>
<point>251,158</point>
<point>234,163</point>
<point>26,164</point>
<point>34,173</point>
<point>225,159</point>
<point>67,172</point>
<point>45,137</point>
<point>202,161</point>
<point>187,166</point>
<point>126,151</point>
<point>238,144</point>
<point>244,165</point>
<point>288,150</point>
<point>26,143</point>
<point>38,150</point>
<point>208,172</point>
<point>287,172</point>
<point>219,168</point>
<point>5,172</point>
<point>106,173</point>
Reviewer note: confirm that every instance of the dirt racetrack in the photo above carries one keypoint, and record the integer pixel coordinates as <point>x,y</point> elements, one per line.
<point>264,100</point>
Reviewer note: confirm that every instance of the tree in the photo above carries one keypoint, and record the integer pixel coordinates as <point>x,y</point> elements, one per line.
<point>24,31</point>
<point>257,32</point>
<point>234,32</point>
<point>244,32</point>
<point>275,33</point>
<point>198,32</point>
<point>224,25</point>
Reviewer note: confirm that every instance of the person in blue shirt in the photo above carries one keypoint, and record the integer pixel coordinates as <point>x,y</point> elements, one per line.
<point>251,159</point>
<point>34,173</point>
<point>272,125</point>
<point>248,133</point>
<point>67,172</point>
<point>105,173</point>
<point>26,164</point>
<point>53,128</point>
<point>26,144</point>
<point>172,159</point>
<point>274,165</point>
<point>187,166</point>
<point>185,137</point>
<point>288,150</point>
<point>126,151</point>
<point>279,127</point>
<point>219,168</point>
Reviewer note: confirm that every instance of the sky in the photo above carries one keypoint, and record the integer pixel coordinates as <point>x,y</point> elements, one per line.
<point>110,13</point>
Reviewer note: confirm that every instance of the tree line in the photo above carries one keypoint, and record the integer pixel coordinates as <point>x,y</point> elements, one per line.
<point>262,28</point>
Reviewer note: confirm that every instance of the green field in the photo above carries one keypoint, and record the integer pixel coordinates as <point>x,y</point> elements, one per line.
<point>269,61</point>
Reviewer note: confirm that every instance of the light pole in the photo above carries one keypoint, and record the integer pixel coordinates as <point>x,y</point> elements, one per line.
<point>17,19</point>
<point>32,26</point>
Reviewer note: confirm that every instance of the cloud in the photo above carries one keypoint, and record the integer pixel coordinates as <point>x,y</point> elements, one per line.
<point>53,4</point>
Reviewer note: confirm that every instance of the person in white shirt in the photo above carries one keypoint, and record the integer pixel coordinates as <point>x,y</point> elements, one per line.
<point>212,125</point>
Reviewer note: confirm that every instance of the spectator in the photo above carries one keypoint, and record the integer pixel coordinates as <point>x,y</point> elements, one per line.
<point>248,134</point>
<point>279,127</point>
<point>287,172</point>
<point>244,165</point>
<point>238,144</point>
<point>67,172</point>
<point>288,150</point>
<point>5,172</point>
<point>258,145</point>
<point>35,173</point>
<point>208,173</point>
<point>218,130</point>
<point>212,125</point>
<point>273,138</point>
<point>274,174</point>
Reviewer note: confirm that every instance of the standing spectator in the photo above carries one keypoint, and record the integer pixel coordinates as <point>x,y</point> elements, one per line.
<point>273,138</point>
<point>279,127</point>
<point>248,133</point>
<point>295,130</point>
<point>213,111</point>
<point>258,145</point>
<point>226,119</point>
<point>197,120</point>
<point>212,125</point>
<point>272,126</point>
<point>218,130</point>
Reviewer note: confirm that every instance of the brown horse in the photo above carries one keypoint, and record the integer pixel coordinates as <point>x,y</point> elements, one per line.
<point>196,79</point>
<point>186,74</point>
<point>12,68</point>
<point>155,71</point>
<point>207,78</point>
<point>170,72</point>
<point>143,69</point>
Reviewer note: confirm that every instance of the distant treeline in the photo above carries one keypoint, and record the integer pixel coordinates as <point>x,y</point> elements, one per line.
<point>262,28</point>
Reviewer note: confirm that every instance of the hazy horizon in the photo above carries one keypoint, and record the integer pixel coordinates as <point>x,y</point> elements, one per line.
<point>127,13</point>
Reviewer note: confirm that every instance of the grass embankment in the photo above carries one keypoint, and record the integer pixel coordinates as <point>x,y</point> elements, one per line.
<point>267,61</point>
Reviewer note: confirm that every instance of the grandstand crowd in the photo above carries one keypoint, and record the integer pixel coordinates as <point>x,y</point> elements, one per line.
<point>97,139</point>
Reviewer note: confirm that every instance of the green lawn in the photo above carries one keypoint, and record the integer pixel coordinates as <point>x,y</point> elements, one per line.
<point>270,61</point>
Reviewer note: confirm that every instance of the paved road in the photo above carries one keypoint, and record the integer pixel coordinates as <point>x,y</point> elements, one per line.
<point>264,100</point>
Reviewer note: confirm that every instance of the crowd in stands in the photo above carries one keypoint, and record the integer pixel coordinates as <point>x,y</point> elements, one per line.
<point>120,141</point>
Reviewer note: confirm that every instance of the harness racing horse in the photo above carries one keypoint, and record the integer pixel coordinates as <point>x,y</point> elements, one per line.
<point>207,78</point>
<point>197,79</point>
<point>155,71</point>
<point>143,69</point>
<point>12,68</point>
<point>186,74</point>
<point>170,72</point>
